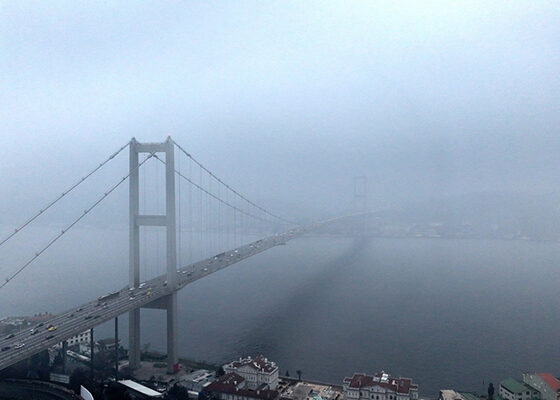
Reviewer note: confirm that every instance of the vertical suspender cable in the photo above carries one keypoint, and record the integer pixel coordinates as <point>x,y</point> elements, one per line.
<point>143,250</point>
<point>200,244</point>
<point>158,231</point>
<point>179,233</point>
<point>191,222</point>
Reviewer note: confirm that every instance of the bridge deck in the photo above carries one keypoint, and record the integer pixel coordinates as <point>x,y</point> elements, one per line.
<point>88,315</point>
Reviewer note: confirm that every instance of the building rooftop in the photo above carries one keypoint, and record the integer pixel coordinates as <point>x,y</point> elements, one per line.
<point>228,383</point>
<point>146,391</point>
<point>198,375</point>
<point>469,396</point>
<point>399,385</point>
<point>449,394</point>
<point>550,381</point>
<point>259,363</point>
<point>514,386</point>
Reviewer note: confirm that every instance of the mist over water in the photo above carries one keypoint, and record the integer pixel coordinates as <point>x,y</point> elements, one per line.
<point>448,313</point>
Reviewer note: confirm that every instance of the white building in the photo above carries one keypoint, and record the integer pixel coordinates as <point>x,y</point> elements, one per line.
<point>379,387</point>
<point>83,337</point>
<point>512,389</point>
<point>258,373</point>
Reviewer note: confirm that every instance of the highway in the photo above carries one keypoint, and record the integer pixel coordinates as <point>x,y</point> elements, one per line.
<point>79,319</point>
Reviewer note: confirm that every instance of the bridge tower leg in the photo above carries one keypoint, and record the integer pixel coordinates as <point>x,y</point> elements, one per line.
<point>134,255</point>
<point>168,220</point>
<point>172,357</point>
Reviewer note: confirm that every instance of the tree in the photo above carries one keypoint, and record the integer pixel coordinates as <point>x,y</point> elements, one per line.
<point>490,391</point>
<point>287,373</point>
<point>80,376</point>
<point>298,372</point>
<point>220,372</point>
<point>177,393</point>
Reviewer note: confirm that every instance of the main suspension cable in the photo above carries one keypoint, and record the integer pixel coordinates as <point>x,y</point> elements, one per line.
<point>63,231</point>
<point>52,203</point>
<point>232,189</point>
<point>213,195</point>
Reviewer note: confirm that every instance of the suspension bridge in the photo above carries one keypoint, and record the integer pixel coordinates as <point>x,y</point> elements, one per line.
<point>231,210</point>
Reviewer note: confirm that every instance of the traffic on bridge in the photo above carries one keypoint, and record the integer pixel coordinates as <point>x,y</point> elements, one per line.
<point>18,346</point>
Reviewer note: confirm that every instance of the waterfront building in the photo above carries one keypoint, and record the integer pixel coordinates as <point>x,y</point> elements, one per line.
<point>197,380</point>
<point>545,383</point>
<point>310,391</point>
<point>380,386</point>
<point>512,389</point>
<point>233,386</point>
<point>258,373</point>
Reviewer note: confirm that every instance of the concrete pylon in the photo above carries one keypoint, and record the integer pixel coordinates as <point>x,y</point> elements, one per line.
<point>167,220</point>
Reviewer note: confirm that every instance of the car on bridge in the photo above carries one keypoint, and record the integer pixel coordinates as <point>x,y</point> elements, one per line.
<point>18,345</point>
<point>6,348</point>
<point>108,296</point>
<point>11,335</point>
<point>51,328</point>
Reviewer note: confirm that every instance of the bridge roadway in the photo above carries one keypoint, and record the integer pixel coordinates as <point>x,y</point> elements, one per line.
<point>79,319</point>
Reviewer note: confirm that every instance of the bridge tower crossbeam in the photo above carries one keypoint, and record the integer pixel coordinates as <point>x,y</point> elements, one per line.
<point>169,303</point>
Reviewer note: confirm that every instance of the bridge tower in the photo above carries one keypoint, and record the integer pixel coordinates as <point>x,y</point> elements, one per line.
<point>361,201</point>
<point>169,302</point>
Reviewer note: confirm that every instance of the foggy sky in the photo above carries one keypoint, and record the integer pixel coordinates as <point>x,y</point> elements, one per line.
<point>286,101</point>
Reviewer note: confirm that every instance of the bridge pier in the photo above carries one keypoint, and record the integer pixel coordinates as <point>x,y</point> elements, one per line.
<point>134,339</point>
<point>64,348</point>
<point>172,357</point>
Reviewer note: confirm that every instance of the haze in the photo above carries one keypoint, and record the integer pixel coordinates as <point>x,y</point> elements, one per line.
<point>287,101</point>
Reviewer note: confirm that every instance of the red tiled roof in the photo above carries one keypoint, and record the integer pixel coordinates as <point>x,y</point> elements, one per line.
<point>228,384</point>
<point>231,379</point>
<point>399,385</point>
<point>259,363</point>
<point>550,381</point>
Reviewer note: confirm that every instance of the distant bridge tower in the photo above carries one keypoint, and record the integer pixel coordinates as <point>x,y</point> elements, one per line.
<point>137,220</point>
<point>360,193</point>
<point>361,201</point>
